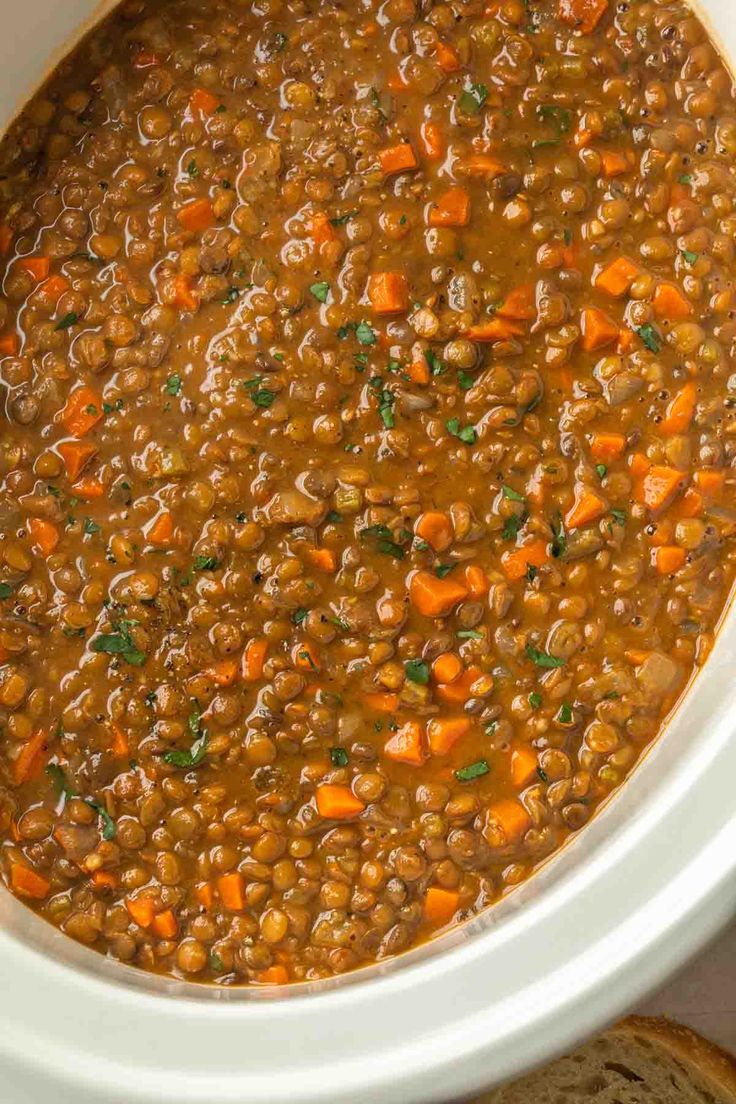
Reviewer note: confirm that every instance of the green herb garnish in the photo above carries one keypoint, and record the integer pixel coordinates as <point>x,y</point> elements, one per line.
<point>68,320</point>
<point>472,99</point>
<point>466,434</point>
<point>650,337</point>
<point>543,659</point>
<point>173,384</point>
<point>320,290</point>
<point>339,757</point>
<point>472,771</point>
<point>416,670</point>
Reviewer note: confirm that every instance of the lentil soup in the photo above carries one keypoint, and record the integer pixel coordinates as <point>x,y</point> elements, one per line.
<point>368,462</point>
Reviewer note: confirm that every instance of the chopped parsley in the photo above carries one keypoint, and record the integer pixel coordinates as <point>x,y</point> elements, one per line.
<point>466,434</point>
<point>340,220</point>
<point>173,384</point>
<point>68,320</point>
<point>510,493</point>
<point>443,569</point>
<point>469,634</point>
<point>231,295</point>
<point>385,540</point>
<point>299,615</point>
<point>60,780</point>
<point>543,659</point>
<point>119,642</point>
<point>535,699</point>
<point>472,771</point>
<point>205,563</point>
<point>91,527</point>
<point>364,334</point>
<point>5,590</point>
<point>108,824</point>
<point>650,337</point>
<point>688,256</point>
<point>513,524</point>
<point>416,670</point>
<point>559,117</point>
<point>564,715</point>
<point>472,99</point>
<point>194,755</point>
<point>601,470</point>
<point>559,537</point>
<point>320,290</point>
<point>618,515</point>
<point>339,757</point>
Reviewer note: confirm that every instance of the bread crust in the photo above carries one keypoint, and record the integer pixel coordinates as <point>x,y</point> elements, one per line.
<point>709,1061</point>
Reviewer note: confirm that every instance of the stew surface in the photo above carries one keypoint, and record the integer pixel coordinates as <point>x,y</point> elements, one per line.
<point>368,465</point>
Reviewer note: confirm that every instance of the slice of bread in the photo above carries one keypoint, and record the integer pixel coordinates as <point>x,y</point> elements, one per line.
<point>639,1061</point>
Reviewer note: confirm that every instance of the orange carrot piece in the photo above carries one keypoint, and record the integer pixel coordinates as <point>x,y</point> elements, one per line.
<point>9,344</point>
<point>680,410</point>
<point>202,102</point>
<point>27,882</point>
<point>120,745</point>
<point>586,508</point>
<point>459,690</point>
<point>435,527</point>
<point>447,58</point>
<point>381,701</point>
<point>626,340</point>
<point>495,329</point>
<point>254,658</point>
<point>388,292</point>
<point>669,302</point>
<point>515,561</point>
<point>306,657</point>
<point>451,209</point>
<point>223,673</point>
<point>52,289</point>
<point>45,535</point>
<point>668,558</point>
<point>320,229</point>
<point>444,732</point>
<point>477,582</point>
<point>184,297</point>
<point>37,267</point>
<point>196,215</point>
<point>616,162</point>
<point>583,15</point>
<point>709,480</point>
<point>607,446</point>
<point>141,910</point>
<point>523,765</point>
<point>76,455</point>
<point>639,465</point>
<point>323,559</point>
<point>273,975</point>
<point>407,744</point>
<point>435,597</point>
<point>419,372</point>
<point>519,305</point>
<point>690,505</point>
<point>104,879</point>
<point>231,889</point>
<point>161,529</point>
<point>480,165</point>
<point>510,817</point>
<point>617,277</point>
<point>338,802</point>
<point>440,905</point>
<point>205,895</point>
<point>82,411</point>
<point>88,488</point>
<point>398,159</point>
<point>28,763</point>
<point>597,329</point>
<point>431,135</point>
<point>660,485</point>
<point>447,668</point>
<point>164,924</point>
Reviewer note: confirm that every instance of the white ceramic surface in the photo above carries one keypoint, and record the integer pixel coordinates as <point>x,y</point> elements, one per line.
<point>615,913</point>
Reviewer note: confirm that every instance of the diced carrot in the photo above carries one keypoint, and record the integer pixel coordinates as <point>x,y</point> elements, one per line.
<point>306,657</point>
<point>273,975</point>
<point>515,562</point>
<point>510,817</point>
<point>587,507</point>
<point>669,302</point>
<point>435,527</point>
<point>419,371</point>
<point>709,480</point>
<point>519,305</point>
<point>27,882</point>
<point>460,689</point>
<point>141,910</point>
<point>582,137</point>
<point>88,488</point>
<point>254,658</point>
<point>582,15</point>
<point>164,924</point>
<point>202,102</point>
<point>407,745</point>
<point>6,238</point>
<point>480,165</point>
<point>668,558</point>
<point>76,455</point>
<point>323,559</point>
<point>205,894</point>
<point>495,329</point>
<point>28,763</point>
<point>597,329</point>
<point>52,289</point>
<point>523,764</point>
<point>636,656</point>
<point>477,582</point>
<point>447,58</point>
<point>104,879</point>
<point>223,673</point>
<point>617,277</point>
<point>680,410</point>
<point>440,905</point>
<point>144,58</point>
<point>161,529</point>
<point>196,215</point>
<point>451,209</point>
<point>639,465</point>
<point>37,267</point>
<point>660,485</point>
<point>45,534</point>
<point>381,701</point>
<point>431,135</point>
<point>338,802</point>
<point>82,411</point>
<point>444,732</point>
<point>231,889</point>
<point>616,162</point>
<point>388,292</point>
<point>663,533</point>
<point>120,744</point>
<point>320,229</point>
<point>447,667</point>
<point>607,446</point>
<point>690,505</point>
<point>626,340</point>
<point>435,597</point>
<point>397,159</point>
<point>396,81</point>
<point>9,343</point>
<point>184,297</point>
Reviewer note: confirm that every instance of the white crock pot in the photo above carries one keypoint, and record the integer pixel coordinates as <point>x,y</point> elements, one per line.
<point>627,902</point>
